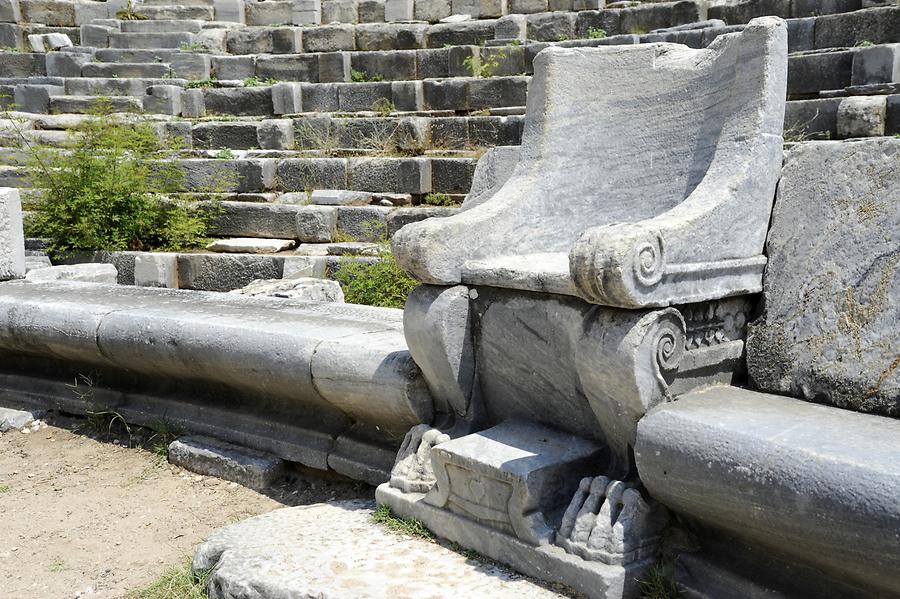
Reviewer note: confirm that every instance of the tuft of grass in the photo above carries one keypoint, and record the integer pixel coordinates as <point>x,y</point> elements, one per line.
<point>130,14</point>
<point>357,76</point>
<point>383,106</point>
<point>659,582</point>
<point>178,582</point>
<point>438,199</point>
<point>191,46</point>
<point>5,488</point>
<point>864,44</point>
<point>257,82</point>
<point>57,566</point>
<point>595,33</point>
<point>407,526</point>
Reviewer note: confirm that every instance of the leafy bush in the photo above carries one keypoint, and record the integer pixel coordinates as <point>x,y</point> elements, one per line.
<point>382,283</point>
<point>106,191</point>
<point>595,33</point>
<point>438,199</point>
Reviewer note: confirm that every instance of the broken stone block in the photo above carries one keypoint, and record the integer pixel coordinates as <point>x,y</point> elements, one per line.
<point>306,289</point>
<point>12,239</point>
<point>876,64</point>
<point>66,64</point>
<point>861,116</point>
<point>329,38</point>
<point>48,42</point>
<point>86,273</point>
<point>12,419</point>
<point>842,269</point>
<point>275,134</point>
<point>287,98</point>
<point>412,471</point>
<point>163,99</point>
<point>211,457</point>
<point>511,27</point>
<point>250,245</point>
<point>340,197</point>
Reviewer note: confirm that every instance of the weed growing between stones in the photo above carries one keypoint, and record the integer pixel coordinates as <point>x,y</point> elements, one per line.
<point>484,68</point>
<point>438,199</point>
<point>178,582</point>
<point>408,526</point>
<point>595,33</point>
<point>257,82</point>
<point>659,581</point>
<point>363,77</point>
<point>191,46</point>
<point>107,188</point>
<point>200,83</point>
<point>130,14</point>
<point>382,283</point>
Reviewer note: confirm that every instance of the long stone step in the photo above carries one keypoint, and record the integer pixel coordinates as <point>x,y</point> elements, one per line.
<point>175,39</point>
<point>115,87</point>
<point>300,383</point>
<point>72,104</point>
<point>123,70</point>
<point>137,55</point>
<point>170,26</point>
<point>178,12</point>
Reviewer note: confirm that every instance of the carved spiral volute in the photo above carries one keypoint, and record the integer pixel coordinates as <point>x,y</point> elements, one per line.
<point>649,260</point>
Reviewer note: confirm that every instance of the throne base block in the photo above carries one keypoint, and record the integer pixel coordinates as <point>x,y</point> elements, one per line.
<point>551,563</point>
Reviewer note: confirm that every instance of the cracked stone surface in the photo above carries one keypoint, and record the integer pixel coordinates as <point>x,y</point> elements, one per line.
<point>334,550</point>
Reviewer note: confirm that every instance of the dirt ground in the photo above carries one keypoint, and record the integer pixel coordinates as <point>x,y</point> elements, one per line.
<point>82,517</point>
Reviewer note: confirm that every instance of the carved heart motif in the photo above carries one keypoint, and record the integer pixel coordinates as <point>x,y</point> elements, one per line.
<point>476,488</point>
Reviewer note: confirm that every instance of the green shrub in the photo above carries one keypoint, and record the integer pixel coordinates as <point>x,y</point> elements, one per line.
<point>438,199</point>
<point>595,33</point>
<point>382,283</point>
<point>106,191</point>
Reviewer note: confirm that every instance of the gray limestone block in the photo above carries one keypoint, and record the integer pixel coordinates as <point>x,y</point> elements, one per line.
<point>892,115</point>
<point>452,175</point>
<point>229,11</point>
<point>876,25</point>
<point>464,61</point>
<point>232,135</point>
<point>85,273</point>
<point>496,92</point>
<point>341,11</point>
<point>24,64</point>
<point>48,42</point>
<point>316,224</point>
<point>125,70</point>
<point>526,7</point>
<point>329,38</point>
<point>607,20</point>
<point>222,272</point>
<point>480,9</point>
<point>743,11</point>
<point>334,67</point>
<point>473,33</point>
<point>829,330</point>
<point>815,8</point>
<point>163,99</point>
<point>810,73</point>
<point>363,223</point>
<point>12,419</point>
<point>11,36</point>
<point>370,11</point>
<point>432,10</point>
<point>66,64</point>
<point>398,175</point>
<point>189,65</point>
<point>233,68</point>
<point>861,116</point>
<point>353,97</point>
<point>876,64</point>
<point>250,245</point>
<point>48,12</point>
<point>320,97</point>
<point>306,12</point>
<point>816,118</point>
<point>288,68</point>
<point>299,174</point>
<point>551,26</point>
<point>249,40</point>
<point>288,98</point>
<point>12,239</point>
<point>172,39</point>
<point>493,170</point>
<point>218,175</point>
<point>95,36</point>
<point>391,36</point>
<point>340,197</point>
<point>512,27</point>
<point>9,11</point>
<point>238,101</point>
<point>759,467</point>
<point>399,217</point>
<point>445,94</point>
<point>561,5</point>
<point>510,60</point>
<point>399,10</point>
<point>211,457</point>
<point>193,104</point>
<point>275,134</point>
<point>306,289</point>
<point>249,219</point>
<point>268,13</point>
<point>395,65</point>
<point>156,269</point>
<point>287,40</point>
<point>407,96</point>
<point>35,98</point>
<point>433,63</point>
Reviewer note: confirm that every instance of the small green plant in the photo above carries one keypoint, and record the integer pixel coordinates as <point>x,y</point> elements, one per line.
<point>12,49</point>
<point>224,154</point>
<point>57,566</point>
<point>358,76</point>
<point>194,46</point>
<point>257,82</point>
<point>659,582</point>
<point>98,422</point>
<point>107,189</point>
<point>864,44</point>
<point>178,582</point>
<point>382,283</point>
<point>595,33</point>
<point>5,488</point>
<point>200,83</point>
<point>487,67</point>
<point>408,526</point>
<point>438,199</point>
<point>383,106</point>
<point>129,14</point>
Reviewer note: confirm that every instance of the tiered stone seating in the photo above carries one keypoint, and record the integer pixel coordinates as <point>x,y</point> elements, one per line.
<point>397,97</point>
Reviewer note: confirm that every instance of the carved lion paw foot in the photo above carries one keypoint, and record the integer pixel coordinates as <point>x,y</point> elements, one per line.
<point>412,472</point>
<point>610,521</point>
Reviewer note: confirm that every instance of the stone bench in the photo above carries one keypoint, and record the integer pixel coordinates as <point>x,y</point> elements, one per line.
<point>326,385</point>
<point>796,497</point>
